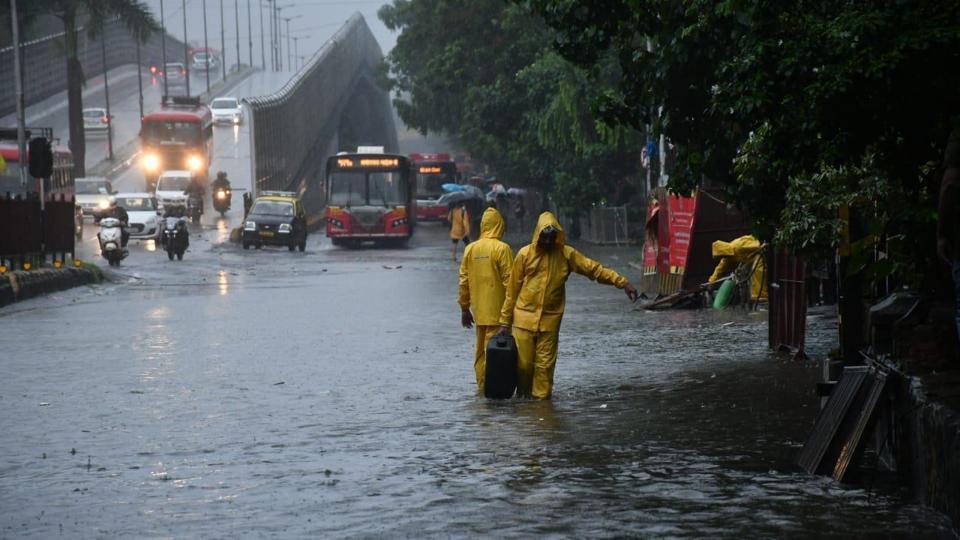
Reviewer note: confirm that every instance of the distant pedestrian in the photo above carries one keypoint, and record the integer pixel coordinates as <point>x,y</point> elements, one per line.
<point>459,220</point>
<point>247,203</point>
<point>535,301</point>
<point>484,276</point>
<point>519,211</point>
<point>948,212</point>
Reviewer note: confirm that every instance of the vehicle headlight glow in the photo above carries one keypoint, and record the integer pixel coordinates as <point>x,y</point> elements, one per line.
<point>104,204</point>
<point>151,162</point>
<point>221,194</point>
<point>284,228</point>
<point>250,226</point>
<point>194,163</point>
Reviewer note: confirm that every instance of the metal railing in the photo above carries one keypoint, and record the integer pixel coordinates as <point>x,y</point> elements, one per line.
<point>296,128</point>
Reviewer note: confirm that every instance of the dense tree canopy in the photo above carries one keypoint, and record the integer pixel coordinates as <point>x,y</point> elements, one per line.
<point>483,72</point>
<point>795,107</point>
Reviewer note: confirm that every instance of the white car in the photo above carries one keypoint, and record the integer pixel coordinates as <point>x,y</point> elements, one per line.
<point>202,59</point>
<point>93,195</point>
<point>170,188</point>
<point>227,110</point>
<point>142,210</point>
<point>96,120</point>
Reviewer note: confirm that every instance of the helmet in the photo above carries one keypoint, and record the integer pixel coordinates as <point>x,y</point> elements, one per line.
<point>221,175</point>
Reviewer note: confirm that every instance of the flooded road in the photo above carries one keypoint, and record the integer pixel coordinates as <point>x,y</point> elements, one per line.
<point>331,394</point>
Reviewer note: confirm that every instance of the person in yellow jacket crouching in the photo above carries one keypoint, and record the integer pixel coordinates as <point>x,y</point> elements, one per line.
<point>535,299</point>
<point>484,275</point>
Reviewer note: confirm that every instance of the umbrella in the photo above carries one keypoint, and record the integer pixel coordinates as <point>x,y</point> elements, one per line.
<point>455,197</point>
<point>474,190</point>
<point>516,192</point>
<point>452,188</point>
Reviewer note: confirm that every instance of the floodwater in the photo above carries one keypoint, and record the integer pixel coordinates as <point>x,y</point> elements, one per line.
<point>330,394</point>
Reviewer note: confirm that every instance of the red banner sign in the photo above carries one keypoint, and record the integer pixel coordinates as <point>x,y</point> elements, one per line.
<point>682,212</point>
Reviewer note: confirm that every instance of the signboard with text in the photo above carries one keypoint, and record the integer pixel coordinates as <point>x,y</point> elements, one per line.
<point>682,212</point>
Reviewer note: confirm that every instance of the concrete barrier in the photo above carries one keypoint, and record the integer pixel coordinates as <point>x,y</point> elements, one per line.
<point>20,285</point>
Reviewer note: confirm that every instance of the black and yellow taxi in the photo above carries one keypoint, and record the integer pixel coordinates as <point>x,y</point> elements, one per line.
<point>276,218</point>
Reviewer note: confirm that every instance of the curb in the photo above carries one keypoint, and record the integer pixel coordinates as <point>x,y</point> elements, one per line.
<point>20,285</point>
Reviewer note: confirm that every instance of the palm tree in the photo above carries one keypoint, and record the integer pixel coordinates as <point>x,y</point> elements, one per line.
<point>133,14</point>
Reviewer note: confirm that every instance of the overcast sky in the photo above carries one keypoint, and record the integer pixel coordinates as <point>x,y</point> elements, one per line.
<point>313,21</point>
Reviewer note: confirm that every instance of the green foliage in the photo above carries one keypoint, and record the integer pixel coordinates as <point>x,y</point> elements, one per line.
<point>483,73</point>
<point>791,106</point>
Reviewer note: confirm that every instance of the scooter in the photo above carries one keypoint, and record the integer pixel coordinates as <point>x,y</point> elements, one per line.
<point>194,208</point>
<point>221,200</point>
<point>176,238</point>
<point>111,241</point>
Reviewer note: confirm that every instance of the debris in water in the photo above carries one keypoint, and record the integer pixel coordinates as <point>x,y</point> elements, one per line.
<point>397,267</point>
<point>43,403</point>
<point>604,406</point>
<point>279,383</point>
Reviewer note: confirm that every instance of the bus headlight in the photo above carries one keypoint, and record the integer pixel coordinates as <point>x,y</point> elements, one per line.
<point>250,226</point>
<point>151,162</point>
<point>194,163</point>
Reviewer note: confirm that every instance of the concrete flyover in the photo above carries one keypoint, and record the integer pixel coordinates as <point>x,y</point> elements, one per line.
<point>334,103</point>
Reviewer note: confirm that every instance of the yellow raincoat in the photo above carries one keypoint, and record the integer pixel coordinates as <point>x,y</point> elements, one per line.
<point>484,276</point>
<point>535,302</point>
<point>735,252</point>
<point>459,223</point>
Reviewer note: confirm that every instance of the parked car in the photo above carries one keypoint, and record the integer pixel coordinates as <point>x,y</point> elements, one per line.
<point>142,210</point>
<point>170,189</point>
<point>96,120</point>
<point>227,110</point>
<point>93,195</point>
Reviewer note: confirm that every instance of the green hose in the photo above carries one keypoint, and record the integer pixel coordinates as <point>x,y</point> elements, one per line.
<point>724,294</point>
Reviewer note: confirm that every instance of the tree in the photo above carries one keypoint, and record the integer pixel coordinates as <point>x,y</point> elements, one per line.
<point>483,74</point>
<point>782,102</point>
<point>93,14</point>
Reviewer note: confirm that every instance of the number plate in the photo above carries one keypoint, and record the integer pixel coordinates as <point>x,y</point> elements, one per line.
<point>266,233</point>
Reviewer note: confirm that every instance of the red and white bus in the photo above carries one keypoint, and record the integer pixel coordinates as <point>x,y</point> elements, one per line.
<point>177,137</point>
<point>432,170</point>
<point>369,198</point>
<point>61,182</point>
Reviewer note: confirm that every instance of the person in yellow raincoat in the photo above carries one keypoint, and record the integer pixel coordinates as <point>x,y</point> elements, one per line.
<point>484,276</point>
<point>535,300</point>
<point>459,227</point>
<point>736,251</point>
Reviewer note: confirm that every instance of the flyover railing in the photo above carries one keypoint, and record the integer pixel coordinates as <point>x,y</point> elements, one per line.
<point>291,126</point>
<point>45,67</point>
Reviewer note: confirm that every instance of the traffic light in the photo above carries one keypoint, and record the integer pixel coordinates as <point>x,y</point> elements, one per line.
<point>41,158</point>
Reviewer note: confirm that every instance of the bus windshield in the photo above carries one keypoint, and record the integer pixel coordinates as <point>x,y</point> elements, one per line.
<point>172,132</point>
<point>357,188</point>
<point>428,185</point>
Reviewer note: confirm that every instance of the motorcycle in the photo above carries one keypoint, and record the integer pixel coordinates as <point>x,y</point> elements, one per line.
<point>195,208</point>
<point>176,238</point>
<point>111,241</point>
<point>221,200</point>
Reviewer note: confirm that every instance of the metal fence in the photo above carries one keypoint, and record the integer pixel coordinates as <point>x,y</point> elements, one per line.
<point>297,127</point>
<point>788,302</point>
<point>45,67</point>
<point>28,233</point>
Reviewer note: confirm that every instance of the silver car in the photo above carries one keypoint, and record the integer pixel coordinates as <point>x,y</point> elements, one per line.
<point>227,110</point>
<point>95,120</point>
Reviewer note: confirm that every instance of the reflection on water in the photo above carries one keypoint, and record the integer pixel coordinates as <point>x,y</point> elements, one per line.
<point>223,283</point>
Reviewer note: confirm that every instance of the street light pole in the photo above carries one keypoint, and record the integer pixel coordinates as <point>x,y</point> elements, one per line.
<point>296,67</point>
<point>186,47</point>
<point>263,49</point>
<point>18,82</point>
<point>236,15</point>
<point>139,77</point>
<point>223,44</point>
<point>206,46</point>
<point>106,94</point>
<point>288,43</point>
<point>249,33</point>
<point>163,49</point>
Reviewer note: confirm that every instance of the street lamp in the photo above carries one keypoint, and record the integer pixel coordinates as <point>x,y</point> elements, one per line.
<point>263,49</point>
<point>236,15</point>
<point>206,46</point>
<point>223,44</point>
<point>163,49</point>
<point>278,43</point>
<point>288,19</point>
<point>186,46</point>
<point>249,34</point>
<point>106,93</point>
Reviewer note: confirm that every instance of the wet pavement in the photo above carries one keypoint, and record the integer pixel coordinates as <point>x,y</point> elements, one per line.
<point>330,394</point>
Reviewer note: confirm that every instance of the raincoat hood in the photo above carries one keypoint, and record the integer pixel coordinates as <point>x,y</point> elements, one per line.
<point>547,219</point>
<point>492,225</point>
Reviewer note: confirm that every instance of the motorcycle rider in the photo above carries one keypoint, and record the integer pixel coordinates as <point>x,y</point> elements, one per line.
<point>120,214</point>
<point>221,182</point>
<point>196,191</point>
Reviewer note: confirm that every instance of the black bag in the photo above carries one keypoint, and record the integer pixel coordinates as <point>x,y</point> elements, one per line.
<point>500,379</point>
